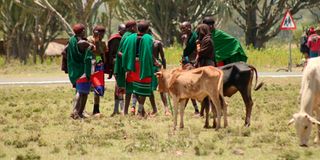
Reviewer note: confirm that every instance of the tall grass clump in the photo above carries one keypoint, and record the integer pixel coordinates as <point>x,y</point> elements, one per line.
<point>173,54</point>
<point>273,56</point>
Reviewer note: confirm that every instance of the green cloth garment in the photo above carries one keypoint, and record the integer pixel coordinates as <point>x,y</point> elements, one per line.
<point>129,52</point>
<point>78,63</point>
<point>146,66</point>
<point>142,89</point>
<point>191,44</point>
<point>227,48</point>
<point>119,72</point>
<point>128,58</point>
<point>145,56</point>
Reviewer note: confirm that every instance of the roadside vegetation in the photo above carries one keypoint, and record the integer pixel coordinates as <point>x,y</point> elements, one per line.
<point>268,59</point>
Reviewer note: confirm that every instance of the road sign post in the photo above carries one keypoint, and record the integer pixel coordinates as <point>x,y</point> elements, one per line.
<point>290,55</point>
<point>289,25</point>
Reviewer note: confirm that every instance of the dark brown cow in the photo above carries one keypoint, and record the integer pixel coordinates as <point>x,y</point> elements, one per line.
<point>196,84</point>
<point>238,77</point>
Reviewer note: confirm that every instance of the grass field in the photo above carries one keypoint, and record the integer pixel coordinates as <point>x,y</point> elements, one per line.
<point>35,124</point>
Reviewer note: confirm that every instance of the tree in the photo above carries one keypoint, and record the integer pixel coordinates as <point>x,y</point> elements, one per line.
<point>315,13</point>
<point>45,27</point>
<point>165,15</point>
<point>30,25</point>
<point>107,15</point>
<point>16,26</point>
<point>260,18</point>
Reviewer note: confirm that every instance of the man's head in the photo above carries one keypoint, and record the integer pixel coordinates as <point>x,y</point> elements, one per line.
<point>303,123</point>
<point>202,30</point>
<point>185,27</point>
<point>121,29</point>
<point>143,27</point>
<point>79,30</point>
<point>311,30</point>
<point>131,26</point>
<point>99,31</point>
<point>209,21</point>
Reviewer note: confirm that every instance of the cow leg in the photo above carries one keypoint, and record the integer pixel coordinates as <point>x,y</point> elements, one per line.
<point>175,114</point>
<point>225,113</point>
<point>182,107</point>
<point>163,96</point>
<point>206,108</point>
<point>214,114</point>
<point>217,106</point>
<point>195,106</point>
<point>187,100</point>
<point>201,110</point>
<point>246,96</point>
<point>317,110</point>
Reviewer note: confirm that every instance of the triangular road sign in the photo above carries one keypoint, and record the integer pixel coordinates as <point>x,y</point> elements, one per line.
<point>287,22</point>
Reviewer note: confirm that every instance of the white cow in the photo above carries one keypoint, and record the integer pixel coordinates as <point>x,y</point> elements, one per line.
<point>310,102</point>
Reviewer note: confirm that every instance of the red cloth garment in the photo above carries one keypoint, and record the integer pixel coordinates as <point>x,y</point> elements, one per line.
<point>134,76</point>
<point>314,42</point>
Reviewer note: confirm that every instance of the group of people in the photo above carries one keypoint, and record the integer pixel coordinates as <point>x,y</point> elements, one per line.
<point>132,56</point>
<point>310,43</point>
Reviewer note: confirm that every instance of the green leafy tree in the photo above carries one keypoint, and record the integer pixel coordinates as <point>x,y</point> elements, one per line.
<point>28,26</point>
<point>260,19</point>
<point>165,15</point>
<point>15,24</point>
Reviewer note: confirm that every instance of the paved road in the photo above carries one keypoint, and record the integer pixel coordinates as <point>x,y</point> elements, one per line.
<point>65,80</point>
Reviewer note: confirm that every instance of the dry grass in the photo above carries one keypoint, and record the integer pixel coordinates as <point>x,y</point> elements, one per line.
<point>35,124</point>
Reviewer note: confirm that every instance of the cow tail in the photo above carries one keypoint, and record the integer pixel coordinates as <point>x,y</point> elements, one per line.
<point>256,87</point>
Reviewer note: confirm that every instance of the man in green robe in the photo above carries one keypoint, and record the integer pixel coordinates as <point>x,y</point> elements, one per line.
<point>189,39</point>
<point>79,57</point>
<point>138,63</point>
<point>227,48</point>
<point>119,69</point>
<point>119,72</point>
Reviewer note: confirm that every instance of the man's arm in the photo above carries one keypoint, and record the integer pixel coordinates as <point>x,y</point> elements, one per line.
<point>163,58</point>
<point>64,64</point>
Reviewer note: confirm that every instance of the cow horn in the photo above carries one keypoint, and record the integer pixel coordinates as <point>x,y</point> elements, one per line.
<point>291,121</point>
<point>313,120</point>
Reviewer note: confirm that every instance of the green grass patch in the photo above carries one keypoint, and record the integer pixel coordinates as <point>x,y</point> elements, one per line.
<point>268,59</point>
<point>35,124</point>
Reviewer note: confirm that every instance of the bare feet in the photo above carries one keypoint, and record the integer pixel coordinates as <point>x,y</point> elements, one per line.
<point>78,116</point>
<point>97,115</point>
<point>196,114</point>
<point>167,113</point>
<point>153,114</point>
<point>133,110</point>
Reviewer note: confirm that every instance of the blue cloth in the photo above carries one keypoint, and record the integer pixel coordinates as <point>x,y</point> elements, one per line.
<point>313,54</point>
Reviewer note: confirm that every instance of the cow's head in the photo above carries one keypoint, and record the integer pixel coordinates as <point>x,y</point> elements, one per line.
<point>303,123</point>
<point>163,79</point>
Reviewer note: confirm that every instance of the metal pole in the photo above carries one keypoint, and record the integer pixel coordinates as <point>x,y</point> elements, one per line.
<point>290,56</point>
